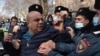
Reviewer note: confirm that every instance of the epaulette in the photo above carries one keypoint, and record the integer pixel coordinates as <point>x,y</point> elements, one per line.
<point>96,33</point>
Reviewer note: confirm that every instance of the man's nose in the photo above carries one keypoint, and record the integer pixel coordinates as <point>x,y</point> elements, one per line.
<point>40,21</point>
<point>76,21</point>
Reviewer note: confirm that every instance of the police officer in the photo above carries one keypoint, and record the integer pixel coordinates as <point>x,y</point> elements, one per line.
<point>53,17</point>
<point>97,17</point>
<point>83,42</point>
<point>66,15</point>
<point>63,13</point>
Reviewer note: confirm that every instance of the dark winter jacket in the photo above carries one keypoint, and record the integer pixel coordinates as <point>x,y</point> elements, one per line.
<point>85,36</point>
<point>86,45</point>
<point>29,48</point>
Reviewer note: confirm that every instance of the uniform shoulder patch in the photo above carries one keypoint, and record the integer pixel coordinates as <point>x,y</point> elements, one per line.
<point>97,33</point>
<point>82,45</point>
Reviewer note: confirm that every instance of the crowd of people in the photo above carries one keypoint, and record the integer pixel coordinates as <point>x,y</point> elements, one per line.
<point>58,35</point>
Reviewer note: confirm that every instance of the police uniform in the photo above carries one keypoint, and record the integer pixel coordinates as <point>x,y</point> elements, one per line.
<point>83,40</point>
<point>88,42</point>
<point>88,45</point>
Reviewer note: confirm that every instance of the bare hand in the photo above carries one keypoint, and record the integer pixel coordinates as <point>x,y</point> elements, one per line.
<point>8,37</point>
<point>59,26</point>
<point>71,31</point>
<point>46,47</point>
<point>63,13</point>
<point>49,43</point>
<point>16,28</point>
<point>16,43</point>
<point>44,51</point>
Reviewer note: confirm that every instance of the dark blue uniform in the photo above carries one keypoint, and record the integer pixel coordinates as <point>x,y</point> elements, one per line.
<point>87,45</point>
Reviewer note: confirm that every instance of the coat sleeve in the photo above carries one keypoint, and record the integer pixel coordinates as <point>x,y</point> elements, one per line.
<point>61,37</point>
<point>98,54</point>
<point>63,47</point>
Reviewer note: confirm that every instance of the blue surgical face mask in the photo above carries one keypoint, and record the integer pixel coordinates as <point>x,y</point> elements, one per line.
<point>95,21</point>
<point>79,25</point>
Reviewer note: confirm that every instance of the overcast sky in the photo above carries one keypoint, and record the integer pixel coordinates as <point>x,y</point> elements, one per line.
<point>2,2</point>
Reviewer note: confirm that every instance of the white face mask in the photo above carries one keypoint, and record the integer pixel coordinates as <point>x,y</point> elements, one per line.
<point>95,21</point>
<point>79,25</point>
<point>55,18</point>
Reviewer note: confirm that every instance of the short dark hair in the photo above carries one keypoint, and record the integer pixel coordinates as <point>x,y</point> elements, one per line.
<point>14,17</point>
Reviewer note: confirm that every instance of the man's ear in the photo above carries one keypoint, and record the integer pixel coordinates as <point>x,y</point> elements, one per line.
<point>27,21</point>
<point>87,21</point>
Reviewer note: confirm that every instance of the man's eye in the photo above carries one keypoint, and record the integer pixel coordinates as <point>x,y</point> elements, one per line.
<point>79,19</point>
<point>36,20</point>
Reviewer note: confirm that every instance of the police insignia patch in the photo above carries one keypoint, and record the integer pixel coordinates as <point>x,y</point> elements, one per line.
<point>82,45</point>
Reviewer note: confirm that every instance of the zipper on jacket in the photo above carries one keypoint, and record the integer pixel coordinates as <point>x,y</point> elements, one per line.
<point>27,44</point>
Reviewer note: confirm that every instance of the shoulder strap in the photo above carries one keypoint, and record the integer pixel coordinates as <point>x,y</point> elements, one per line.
<point>96,33</point>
